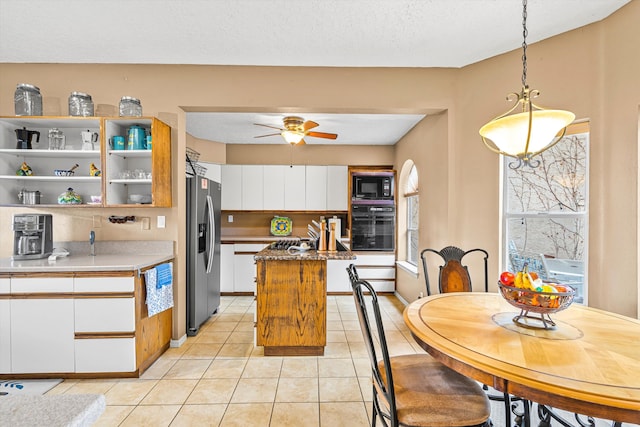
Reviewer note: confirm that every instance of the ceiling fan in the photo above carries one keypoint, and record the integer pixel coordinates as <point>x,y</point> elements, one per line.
<point>295,129</point>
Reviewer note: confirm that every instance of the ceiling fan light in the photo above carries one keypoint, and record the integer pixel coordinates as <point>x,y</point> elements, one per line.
<point>292,137</point>
<point>509,133</point>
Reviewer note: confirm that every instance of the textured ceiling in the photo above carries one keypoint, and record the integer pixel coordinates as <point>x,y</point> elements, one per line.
<point>359,33</point>
<point>326,33</point>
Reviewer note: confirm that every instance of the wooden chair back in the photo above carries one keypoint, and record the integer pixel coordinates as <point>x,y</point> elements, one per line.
<point>453,274</point>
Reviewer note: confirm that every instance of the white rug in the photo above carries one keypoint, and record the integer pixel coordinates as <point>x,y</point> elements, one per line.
<point>26,387</point>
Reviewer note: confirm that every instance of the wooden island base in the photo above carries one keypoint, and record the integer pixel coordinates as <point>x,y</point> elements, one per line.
<point>291,307</point>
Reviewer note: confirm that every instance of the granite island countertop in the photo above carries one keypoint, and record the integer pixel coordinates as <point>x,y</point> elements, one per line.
<point>110,256</point>
<point>269,254</point>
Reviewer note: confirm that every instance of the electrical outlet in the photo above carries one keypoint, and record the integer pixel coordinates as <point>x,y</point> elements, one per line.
<point>230,218</point>
<point>162,221</point>
<point>97,221</point>
<point>146,223</point>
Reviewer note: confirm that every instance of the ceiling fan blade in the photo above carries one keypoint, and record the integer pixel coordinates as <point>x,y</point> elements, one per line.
<point>309,125</point>
<point>322,135</point>
<point>270,134</point>
<point>268,126</point>
<point>301,142</point>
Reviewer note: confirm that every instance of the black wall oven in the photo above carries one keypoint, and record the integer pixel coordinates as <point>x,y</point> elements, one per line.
<point>373,227</point>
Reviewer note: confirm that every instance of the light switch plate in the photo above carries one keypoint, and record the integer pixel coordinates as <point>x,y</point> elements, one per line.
<point>162,221</point>
<point>146,223</point>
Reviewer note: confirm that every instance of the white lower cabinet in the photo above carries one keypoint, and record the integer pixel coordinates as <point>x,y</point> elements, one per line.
<point>244,266</point>
<point>378,269</point>
<point>226,267</point>
<point>105,355</point>
<point>100,315</point>
<point>337,277</point>
<point>5,328</point>
<point>107,316</point>
<point>42,335</point>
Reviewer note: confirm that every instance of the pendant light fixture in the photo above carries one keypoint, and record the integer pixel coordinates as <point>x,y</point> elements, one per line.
<point>531,131</point>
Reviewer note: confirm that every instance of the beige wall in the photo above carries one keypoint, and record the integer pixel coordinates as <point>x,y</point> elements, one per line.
<point>592,71</point>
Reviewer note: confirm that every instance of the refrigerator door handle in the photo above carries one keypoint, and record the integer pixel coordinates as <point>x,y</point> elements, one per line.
<point>212,233</point>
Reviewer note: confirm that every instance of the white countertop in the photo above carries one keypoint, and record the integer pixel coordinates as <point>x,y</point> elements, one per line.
<point>109,262</point>
<point>111,255</point>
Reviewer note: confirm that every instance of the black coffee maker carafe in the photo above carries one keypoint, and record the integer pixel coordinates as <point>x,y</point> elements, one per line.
<point>25,137</point>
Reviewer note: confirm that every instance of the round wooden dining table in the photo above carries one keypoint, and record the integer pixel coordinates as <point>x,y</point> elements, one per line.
<point>589,364</point>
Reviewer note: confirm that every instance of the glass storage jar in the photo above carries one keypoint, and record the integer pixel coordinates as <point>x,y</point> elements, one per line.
<point>80,104</point>
<point>130,107</point>
<point>27,100</point>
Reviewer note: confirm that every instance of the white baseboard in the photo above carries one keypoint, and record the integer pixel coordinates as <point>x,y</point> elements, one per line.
<point>178,342</point>
<point>402,300</point>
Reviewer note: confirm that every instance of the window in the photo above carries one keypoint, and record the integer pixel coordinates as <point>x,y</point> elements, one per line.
<point>411,196</point>
<point>545,212</point>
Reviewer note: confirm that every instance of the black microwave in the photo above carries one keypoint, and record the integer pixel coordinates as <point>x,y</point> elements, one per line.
<point>372,186</point>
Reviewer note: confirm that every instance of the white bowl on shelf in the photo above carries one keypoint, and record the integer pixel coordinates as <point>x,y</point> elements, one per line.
<point>140,198</point>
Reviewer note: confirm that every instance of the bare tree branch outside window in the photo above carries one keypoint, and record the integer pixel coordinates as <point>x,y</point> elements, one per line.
<point>546,208</point>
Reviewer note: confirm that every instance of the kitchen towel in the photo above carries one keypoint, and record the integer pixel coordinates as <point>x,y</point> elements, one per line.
<point>159,284</point>
<point>164,275</point>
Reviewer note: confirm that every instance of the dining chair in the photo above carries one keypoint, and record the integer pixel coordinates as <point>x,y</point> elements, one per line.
<point>454,277</point>
<point>414,389</point>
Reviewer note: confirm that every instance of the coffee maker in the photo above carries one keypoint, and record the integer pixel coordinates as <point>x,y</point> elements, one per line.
<point>32,236</point>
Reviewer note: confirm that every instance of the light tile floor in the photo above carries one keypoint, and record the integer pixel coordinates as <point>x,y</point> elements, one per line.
<point>218,378</point>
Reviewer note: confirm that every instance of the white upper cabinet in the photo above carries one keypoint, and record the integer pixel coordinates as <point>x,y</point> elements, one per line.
<point>337,188</point>
<point>252,190</point>
<point>294,188</point>
<point>316,188</point>
<point>285,188</point>
<point>231,187</point>
<point>273,185</point>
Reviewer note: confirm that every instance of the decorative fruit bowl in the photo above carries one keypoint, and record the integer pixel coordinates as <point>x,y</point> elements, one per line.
<point>540,302</point>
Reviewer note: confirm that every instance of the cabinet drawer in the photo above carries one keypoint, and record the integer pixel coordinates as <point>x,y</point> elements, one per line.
<point>387,260</point>
<point>103,284</point>
<point>369,273</point>
<point>5,336</point>
<point>104,315</point>
<point>5,285</point>
<point>105,355</point>
<point>41,284</point>
<point>383,285</point>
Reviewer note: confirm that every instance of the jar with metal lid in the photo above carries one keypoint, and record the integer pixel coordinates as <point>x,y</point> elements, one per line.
<point>27,100</point>
<point>80,104</point>
<point>130,107</point>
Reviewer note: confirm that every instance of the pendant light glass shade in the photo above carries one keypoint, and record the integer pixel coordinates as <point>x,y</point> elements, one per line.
<point>526,134</point>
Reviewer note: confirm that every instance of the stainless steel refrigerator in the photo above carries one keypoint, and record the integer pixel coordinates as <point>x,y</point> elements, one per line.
<point>203,251</point>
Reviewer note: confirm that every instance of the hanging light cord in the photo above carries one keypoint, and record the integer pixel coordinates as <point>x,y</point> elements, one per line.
<point>524,43</point>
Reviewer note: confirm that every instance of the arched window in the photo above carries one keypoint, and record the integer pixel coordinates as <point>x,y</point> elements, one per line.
<point>412,205</point>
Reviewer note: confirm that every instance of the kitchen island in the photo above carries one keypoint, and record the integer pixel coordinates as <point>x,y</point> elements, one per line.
<point>82,316</point>
<point>291,296</point>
